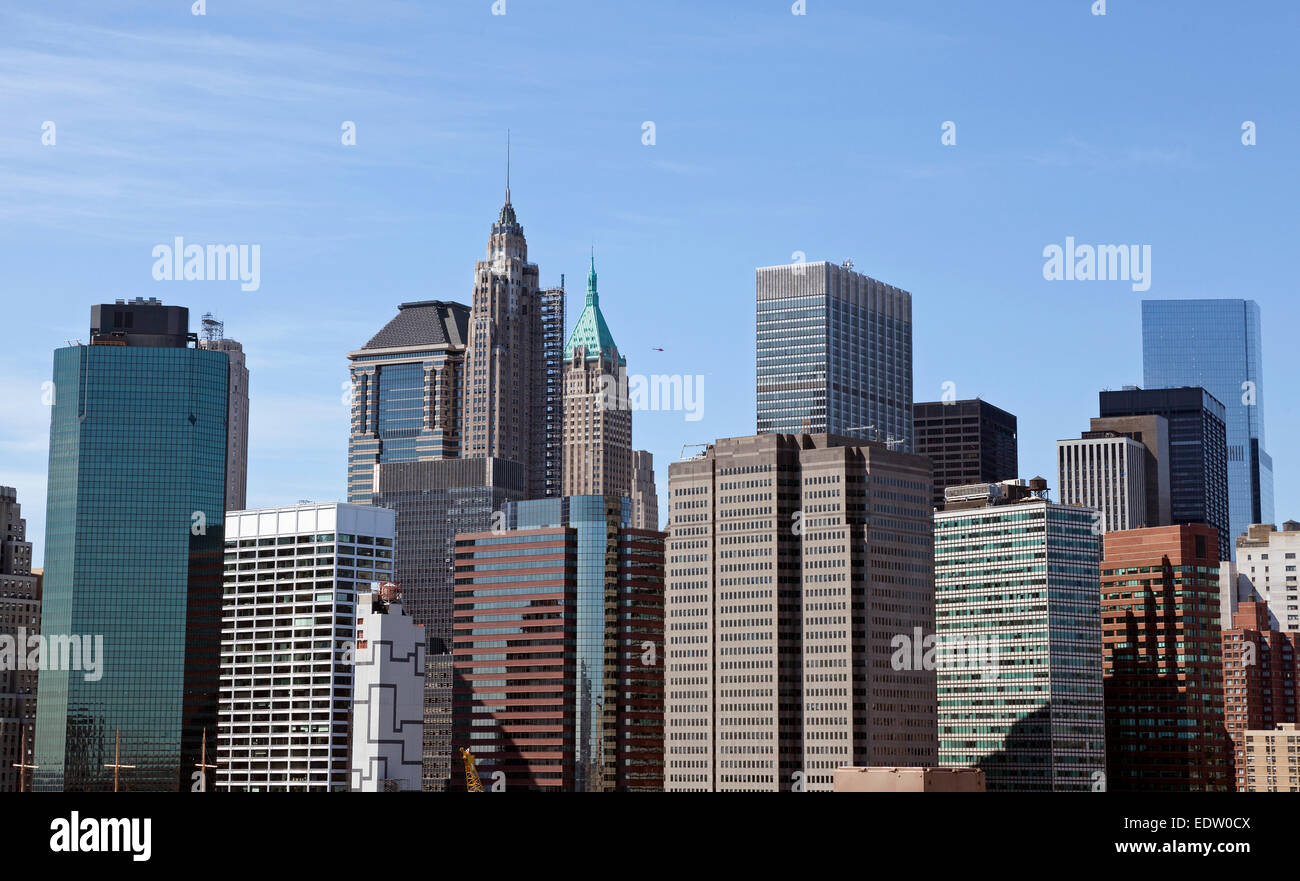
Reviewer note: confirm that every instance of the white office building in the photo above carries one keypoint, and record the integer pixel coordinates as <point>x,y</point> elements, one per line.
<point>1107,474</point>
<point>288,625</point>
<point>387,695</point>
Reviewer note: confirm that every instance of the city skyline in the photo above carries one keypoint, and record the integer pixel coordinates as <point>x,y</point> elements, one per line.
<point>399,216</point>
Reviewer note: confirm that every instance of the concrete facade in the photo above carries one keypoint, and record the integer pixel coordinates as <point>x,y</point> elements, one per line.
<point>287,620</point>
<point>1107,474</point>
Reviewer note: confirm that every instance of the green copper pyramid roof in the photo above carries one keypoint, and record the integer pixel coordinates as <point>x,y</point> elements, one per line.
<point>591,331</point>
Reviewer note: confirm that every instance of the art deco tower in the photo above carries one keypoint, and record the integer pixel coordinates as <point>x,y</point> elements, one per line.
<point>597,417</point>
<point>506,358</point>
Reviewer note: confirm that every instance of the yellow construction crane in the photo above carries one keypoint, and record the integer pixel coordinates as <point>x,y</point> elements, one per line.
<point>472,783</point>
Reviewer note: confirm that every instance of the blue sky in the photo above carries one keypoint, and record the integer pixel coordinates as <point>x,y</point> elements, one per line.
<point>775,133</point>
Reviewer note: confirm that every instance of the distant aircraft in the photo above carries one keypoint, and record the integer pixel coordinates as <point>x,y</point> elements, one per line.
<point>656,348</point>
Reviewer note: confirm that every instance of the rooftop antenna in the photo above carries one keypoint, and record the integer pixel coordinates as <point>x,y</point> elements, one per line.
<point>507,166</point>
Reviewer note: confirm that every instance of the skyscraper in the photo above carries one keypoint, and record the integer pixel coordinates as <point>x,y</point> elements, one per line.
<point>1018,612</point>
<point>509,359</point>
<point>558,629</point>
<point>645,498</point>
<point>214,338</point>
<point>134,532</point>
<point>1198,453</point>
<point>966,441</point>
<point>1161,654</point>
<point>20,619</point>
<point>1152,432</point>
<point>288,622</point>
<point>1105,471</point>
<point>1215,344</point>
<point>795,562</point>
<point>406,392</point>
<point>597,412</point>
<point>834,353</point>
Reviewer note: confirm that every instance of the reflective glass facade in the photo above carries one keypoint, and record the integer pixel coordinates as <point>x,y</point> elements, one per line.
<point>1215,344</point>
<point>134,532</point>
<point>558,628</point>
<point>834,353</point>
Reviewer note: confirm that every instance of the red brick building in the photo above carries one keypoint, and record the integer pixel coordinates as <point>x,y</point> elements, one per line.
<point>1259,680</point>
<point>1161,650</point>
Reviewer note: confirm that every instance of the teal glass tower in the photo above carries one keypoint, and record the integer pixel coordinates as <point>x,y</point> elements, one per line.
<point>1215,344</point>
<point>134,535</point>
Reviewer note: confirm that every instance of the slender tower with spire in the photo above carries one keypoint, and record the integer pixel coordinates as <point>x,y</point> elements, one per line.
<point>597,416</point>
<point>504,405</point>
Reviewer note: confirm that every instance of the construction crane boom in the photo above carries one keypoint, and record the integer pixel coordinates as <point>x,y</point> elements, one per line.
<point>472,783</point>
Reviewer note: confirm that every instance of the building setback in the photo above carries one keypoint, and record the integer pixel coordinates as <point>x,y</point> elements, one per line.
<point>834,353</point>
<point>387,695</point>
<point>1018,614</point>
<point>1259,680</point>
<point>1215,344</point>
<point>20,618</point>
<point>1162,655</point>
<point>559,624</point>
<point>968,442</point>
<point>794,563</point>
<point>288,629</point>
<point>1198,452</point>
<point>138,449</point>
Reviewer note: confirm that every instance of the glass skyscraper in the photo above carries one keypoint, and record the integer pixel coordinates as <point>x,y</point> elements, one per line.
<point>1215,344</point>
<point>134,535</point>
<point>834,353</point>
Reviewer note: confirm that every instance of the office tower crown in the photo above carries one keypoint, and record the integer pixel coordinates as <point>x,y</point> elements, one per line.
<point>591,332</point>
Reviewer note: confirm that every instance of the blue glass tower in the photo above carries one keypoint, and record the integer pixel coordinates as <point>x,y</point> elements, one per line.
<point>1215,344</point>
<point>134,534</point>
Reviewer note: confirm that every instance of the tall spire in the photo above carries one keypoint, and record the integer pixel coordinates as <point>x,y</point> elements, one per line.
<point>507,215</point>
<point>592,297</point>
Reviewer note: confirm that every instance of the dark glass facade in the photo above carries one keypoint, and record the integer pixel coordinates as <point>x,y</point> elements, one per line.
<point>967,442</point>
<point>1198,454</point>
<point>134,537</point>
<point>1215,344</point>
